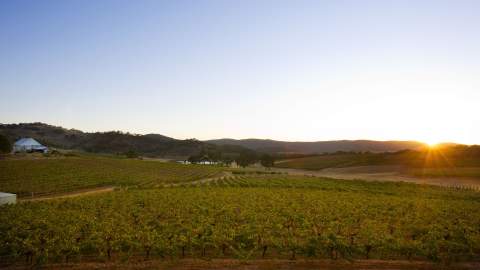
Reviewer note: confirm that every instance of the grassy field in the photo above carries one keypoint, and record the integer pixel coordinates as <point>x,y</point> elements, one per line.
<point>43,176</point>
<point>249,218</point>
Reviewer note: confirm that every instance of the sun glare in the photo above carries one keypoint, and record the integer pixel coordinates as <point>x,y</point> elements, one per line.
<point>432,143</point>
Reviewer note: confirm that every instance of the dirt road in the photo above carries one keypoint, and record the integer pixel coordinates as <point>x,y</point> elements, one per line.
<point>77,193</point>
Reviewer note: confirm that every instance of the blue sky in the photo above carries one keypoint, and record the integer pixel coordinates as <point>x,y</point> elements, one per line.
<point>288,70</point>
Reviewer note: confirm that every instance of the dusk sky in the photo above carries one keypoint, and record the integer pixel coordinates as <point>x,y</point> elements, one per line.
<point>285,70</point>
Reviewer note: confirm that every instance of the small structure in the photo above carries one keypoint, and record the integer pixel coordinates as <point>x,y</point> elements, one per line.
<point>184,162</point>
<point>29,145</point>
<point>6,198</point>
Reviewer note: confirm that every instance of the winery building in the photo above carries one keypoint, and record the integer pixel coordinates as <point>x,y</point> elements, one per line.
<point>29,145</point>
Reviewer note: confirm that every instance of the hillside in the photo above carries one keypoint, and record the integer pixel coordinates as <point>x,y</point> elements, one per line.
<point>445,156</point>
<point>153,145</point>
<point>271,146</point>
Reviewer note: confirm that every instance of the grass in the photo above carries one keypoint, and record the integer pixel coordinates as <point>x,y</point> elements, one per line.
<point>52,175</point>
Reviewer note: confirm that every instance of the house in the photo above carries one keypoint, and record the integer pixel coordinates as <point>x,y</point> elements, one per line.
<point>29,145</point>
<point>7,198</point>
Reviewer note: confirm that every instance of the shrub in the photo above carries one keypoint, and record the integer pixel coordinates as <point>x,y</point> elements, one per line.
<point>5,145</point>
<point>131,154</point>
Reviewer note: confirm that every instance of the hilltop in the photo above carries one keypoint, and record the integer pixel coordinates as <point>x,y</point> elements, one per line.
<point>114,142</point>
<point>157,145</point>
<point>318,147</point>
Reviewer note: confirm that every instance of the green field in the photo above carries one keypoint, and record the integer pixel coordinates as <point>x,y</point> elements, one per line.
<point>250,218</point>
<point>44,176</point>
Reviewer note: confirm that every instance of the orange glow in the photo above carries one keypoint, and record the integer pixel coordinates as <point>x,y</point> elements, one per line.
<point>432,145</point>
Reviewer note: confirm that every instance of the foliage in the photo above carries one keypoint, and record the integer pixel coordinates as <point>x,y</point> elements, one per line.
<point>246,159</point>
<point>131,154</point>
<point>293,217</point>
<point>267,160</point>
<point>5,145</point>
<point>112,142</point>
<point>446,156</point>
<point>42,176</point>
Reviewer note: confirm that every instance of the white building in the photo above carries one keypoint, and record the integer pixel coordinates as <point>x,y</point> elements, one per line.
<point>29,145</point>
<point>6,198</point>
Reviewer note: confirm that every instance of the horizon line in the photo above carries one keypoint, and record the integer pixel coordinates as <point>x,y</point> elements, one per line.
<point>243,139</point>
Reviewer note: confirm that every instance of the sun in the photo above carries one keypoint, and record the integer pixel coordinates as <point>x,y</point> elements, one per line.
<point>432,143</point>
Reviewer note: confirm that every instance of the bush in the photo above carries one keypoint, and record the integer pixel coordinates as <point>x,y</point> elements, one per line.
<point>131,154</point>
<point>5,145</point>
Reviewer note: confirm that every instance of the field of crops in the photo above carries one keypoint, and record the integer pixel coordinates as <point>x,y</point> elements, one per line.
<point>471,172</point>
<point>306,182</point>
<point>331,161</point>
<point>436,162</point>
<point>250,217</point>
<point>43,176</point>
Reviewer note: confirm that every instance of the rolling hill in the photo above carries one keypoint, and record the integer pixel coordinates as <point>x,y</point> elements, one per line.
<point>271,146</point>
<point>156,145</point>
<point>153,145</point>
<point>441,156</point>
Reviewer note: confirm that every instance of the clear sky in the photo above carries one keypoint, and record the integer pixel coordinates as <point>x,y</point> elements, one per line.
<point>287,70</point>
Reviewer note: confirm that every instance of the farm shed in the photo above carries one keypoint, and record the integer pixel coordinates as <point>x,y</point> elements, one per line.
<point>6,198</point>
<point>29,145</point>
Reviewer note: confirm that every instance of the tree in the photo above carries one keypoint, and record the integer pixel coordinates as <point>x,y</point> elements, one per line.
<point>246,159</point>
<point>131,154</point>
<point>267,160</point>
<point>5,145</point>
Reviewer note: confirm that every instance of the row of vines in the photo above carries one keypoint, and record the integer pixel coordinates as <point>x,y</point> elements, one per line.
<point>43,176</point>
<point>236,222</point>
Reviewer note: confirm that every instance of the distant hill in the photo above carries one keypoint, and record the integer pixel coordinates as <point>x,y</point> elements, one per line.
<point>441,156</point>
<point>271,146</point>
<point>154,145</point>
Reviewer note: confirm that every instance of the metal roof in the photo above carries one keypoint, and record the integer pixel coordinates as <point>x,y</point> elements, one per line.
<point>27,141</point>
<point>3,194</point>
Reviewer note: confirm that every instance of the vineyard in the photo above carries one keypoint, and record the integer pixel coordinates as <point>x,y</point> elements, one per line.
<point>469,172</point>
<point>249,217</point>
<point>44,176</point>
<point>441,161</point>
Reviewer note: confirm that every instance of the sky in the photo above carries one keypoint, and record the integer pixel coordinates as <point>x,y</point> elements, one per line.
<point>286,70</point>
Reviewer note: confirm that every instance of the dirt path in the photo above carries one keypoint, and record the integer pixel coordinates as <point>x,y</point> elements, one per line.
<point>367,173</point>
<point>77,193</point>
<point>384,173</point>
<point>98,190</point>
